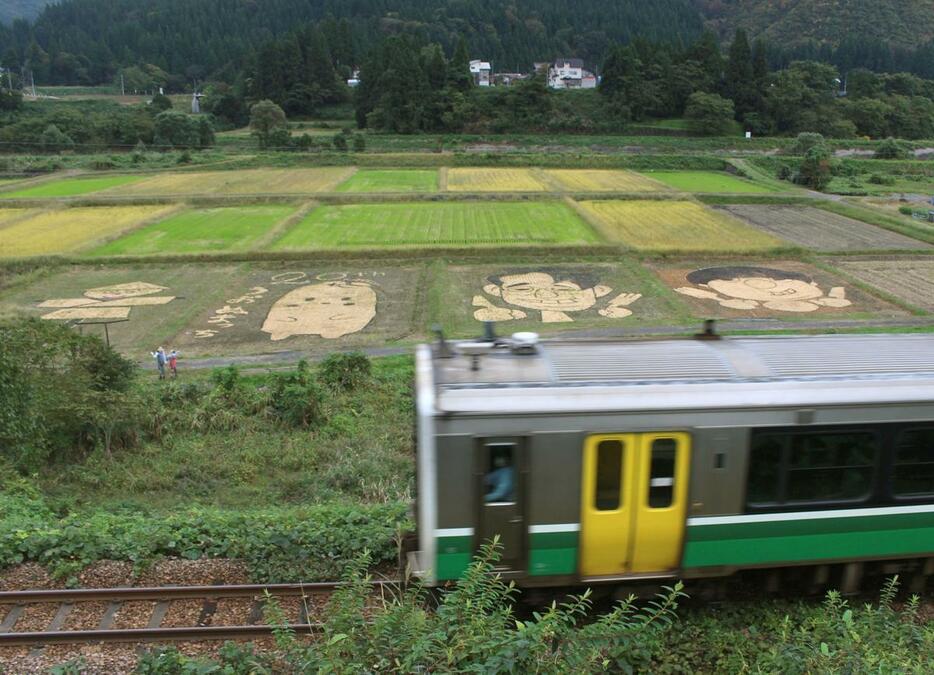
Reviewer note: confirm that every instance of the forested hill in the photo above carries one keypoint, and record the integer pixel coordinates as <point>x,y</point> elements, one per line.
<point>20,9</point>
<point>902,23</point>
<point>96,36</point>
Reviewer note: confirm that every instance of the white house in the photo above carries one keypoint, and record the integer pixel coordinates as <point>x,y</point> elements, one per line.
<point>482,72</point>
<point>570,74</point>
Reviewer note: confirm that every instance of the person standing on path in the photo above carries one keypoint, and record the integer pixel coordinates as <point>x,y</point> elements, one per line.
<point>159,356</point>
<point>173,363</point>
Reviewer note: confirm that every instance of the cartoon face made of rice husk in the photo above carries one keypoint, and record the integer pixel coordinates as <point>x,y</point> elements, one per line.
<point>330,309</point>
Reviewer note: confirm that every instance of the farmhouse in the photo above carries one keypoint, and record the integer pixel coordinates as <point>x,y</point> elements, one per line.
<point>481,71</point>
<point>569,73</point>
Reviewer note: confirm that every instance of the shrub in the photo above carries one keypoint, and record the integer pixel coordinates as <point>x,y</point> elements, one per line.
<point>891,148</point>
<point>345,371</point>
<point>815,171</point>
<point>340,142</point>
<point>906,210</point>
<point>359,143</point>
<point>879,179</point>
<point>805,141</point>
<point>296,399</point>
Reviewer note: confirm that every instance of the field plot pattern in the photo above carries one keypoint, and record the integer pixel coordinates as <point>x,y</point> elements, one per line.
<point>391,180</point>
<point>70,230</point>
<point>604,180</point>
<point>911,280</point>
<point>821,230</point>
<point>437,224</point>
<point>494,180</point>
<point>674,226</point>
<point>236,228</point>
<point>707,181</point>
<point>242,182</point>
<point>71,187</point>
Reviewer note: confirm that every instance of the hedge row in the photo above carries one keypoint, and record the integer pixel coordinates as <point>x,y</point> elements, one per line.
<point>279,545</point>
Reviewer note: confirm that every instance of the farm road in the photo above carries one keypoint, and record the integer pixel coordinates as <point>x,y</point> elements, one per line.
<point>288,358</point>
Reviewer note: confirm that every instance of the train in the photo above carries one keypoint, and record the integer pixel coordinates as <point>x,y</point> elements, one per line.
<point>615,461</point>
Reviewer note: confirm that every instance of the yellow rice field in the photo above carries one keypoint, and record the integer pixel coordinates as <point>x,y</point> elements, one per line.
<point>246,182</point>
<point>9,215</point>
<point>70,230</point>
<point>604,180</point>
<point>673,226</point>
<point>494,180</point>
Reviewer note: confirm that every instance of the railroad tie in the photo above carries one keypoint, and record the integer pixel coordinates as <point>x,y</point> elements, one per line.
<point>107,621</point>
<point>56,624</point>
<point>6,626</point>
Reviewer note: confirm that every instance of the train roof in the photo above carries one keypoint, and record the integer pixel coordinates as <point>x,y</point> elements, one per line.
<point>576,375</point>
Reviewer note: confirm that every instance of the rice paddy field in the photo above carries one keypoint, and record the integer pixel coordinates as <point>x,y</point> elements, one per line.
<point>909,279</point>
<point>242,182</point>
<point>674,226</point>
<point>7,216</point>
<point>70,187</point>
<point>230,229</point>
<point>707,181</point>
<point>494,180</point>
<point>821,230</point>
<point>389,180</point>
<point>603,180</point>
<point>71,230</point>
<point>437,224</point>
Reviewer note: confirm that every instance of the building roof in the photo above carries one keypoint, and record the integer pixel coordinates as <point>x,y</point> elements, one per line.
<point>738,372</point>
<point>573,63</point>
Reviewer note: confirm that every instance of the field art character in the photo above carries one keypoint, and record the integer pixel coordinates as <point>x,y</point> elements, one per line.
<point>755,287</point>
<point>331,309</point>
<point>541,292</point>
<point>106,302</point>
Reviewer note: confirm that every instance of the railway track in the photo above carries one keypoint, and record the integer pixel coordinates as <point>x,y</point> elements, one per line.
<point>107,604</point>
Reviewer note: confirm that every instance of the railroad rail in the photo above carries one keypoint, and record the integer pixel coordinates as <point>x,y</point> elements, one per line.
<point>162,597</point>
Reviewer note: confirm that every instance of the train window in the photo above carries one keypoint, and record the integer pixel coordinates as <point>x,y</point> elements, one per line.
<point>831,467</point>
<point>765,468</point>
<point>914,463</point>
<point>608,491</point>
<point>500,478</point>
<point>824,466</point>
<point>662,474</point>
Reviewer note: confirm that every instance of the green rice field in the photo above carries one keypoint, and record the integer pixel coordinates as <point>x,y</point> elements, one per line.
<point>707,181</point>
<point>437,224</point>
<point>382,180</point>
<point>71,187</point>
<point>232,229</point>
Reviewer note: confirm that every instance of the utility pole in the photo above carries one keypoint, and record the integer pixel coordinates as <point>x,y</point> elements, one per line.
<point>122,87</point>
<point>32,82</point>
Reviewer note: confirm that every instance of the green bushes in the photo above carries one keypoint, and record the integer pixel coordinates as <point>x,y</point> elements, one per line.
<point>345,371</point>
<point>892,149</point>
<point>474,629</point>
<point>278,544</point>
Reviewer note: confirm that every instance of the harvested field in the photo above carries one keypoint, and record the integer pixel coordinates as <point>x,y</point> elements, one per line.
<point>201,230</point>
<point>674,226</point>
<point>550,297</point>
<point>911,280</point>
<point>194,289</point>
<point>71,187</point>
<point>604,180</point>
<point>494,180</point>
<point>821,230</point>
<point>70,230</point>
<point>707,181</point>
<point>731,288</point>
<point>437,224</point>
<point>242,182</point>
<point>387,180</point>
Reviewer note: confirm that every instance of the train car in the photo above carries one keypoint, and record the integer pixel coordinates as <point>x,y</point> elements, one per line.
<point>608,462</point>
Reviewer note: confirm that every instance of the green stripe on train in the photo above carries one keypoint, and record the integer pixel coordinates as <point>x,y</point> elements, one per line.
<point>815,539</point>
<point>552,553</point>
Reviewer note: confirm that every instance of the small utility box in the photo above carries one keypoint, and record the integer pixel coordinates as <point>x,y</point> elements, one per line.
<point>931,216</point>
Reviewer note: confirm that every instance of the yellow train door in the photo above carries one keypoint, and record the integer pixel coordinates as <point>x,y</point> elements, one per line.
<point>635,489</point>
